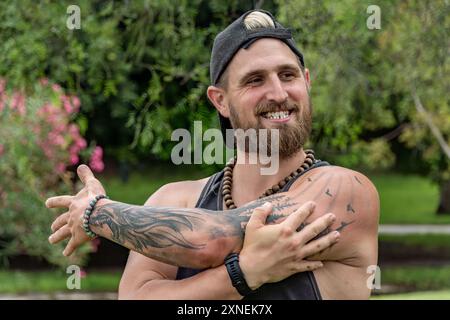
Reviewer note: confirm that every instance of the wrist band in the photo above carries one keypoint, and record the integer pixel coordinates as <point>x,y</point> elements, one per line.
<point>87,215</point>
<point>236,275</point>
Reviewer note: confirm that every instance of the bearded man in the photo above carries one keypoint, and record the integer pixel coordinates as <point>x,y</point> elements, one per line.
<point>188,240</point>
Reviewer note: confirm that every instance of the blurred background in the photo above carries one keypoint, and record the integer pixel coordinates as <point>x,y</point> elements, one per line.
<point>110,91</point>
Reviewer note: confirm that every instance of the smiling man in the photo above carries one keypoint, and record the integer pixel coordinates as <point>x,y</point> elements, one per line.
<point>182,234</point>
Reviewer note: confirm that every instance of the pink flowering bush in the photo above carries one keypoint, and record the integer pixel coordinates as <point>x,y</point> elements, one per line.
<point>39,142</point>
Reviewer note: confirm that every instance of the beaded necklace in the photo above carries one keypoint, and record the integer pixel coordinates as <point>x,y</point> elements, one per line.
<point>228,179</point>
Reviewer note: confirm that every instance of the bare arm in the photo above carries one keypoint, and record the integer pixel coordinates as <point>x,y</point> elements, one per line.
<point>145,278</point>
<point>195,238</point>
<point>202,238</point>
<point>180,236</point>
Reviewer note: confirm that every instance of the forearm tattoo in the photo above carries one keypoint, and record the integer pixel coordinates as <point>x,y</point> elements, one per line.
<point>146,227</point>
<point>161,227</point>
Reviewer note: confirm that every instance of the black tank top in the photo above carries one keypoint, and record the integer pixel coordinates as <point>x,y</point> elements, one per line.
<point>300,286</point>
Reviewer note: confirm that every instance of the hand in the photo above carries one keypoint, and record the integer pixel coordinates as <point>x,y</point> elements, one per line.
<point>274,252</point>
<point>70,223</point>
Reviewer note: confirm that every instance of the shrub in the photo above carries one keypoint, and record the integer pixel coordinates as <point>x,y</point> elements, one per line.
<point>39,144</point>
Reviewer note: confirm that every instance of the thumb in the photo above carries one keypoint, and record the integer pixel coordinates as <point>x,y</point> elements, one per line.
<point>84,173</point>
<point>259,216</point>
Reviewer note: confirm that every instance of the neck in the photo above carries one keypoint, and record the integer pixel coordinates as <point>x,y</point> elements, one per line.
<point>249,182</point>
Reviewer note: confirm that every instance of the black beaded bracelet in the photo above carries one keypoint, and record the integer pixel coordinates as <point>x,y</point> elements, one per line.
<point>87,215</point>
<point>236,275</point>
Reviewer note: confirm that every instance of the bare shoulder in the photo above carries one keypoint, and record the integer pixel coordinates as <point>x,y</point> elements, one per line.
<point>353,198</point>
<point>358,196</point>
<point>340,188</point>
<point>344,178</point>
<point>182,194</point>
<point>353,191</point>
<point>337,171</point>
<point>353,175</point>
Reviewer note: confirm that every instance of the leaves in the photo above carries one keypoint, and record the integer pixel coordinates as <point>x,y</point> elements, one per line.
<point>38,143</point>
<point>141,69</point>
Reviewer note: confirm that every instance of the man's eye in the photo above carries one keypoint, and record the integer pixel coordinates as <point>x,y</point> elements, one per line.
<point>287,76</point>
<point>254,81</point>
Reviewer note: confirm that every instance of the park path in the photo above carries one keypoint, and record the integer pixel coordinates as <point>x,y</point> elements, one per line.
<point>394,229</point>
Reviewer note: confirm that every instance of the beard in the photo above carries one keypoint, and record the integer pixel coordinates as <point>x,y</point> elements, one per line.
<point>292,137</point>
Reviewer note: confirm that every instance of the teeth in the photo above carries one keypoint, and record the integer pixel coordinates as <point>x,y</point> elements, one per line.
<point>277,115</point>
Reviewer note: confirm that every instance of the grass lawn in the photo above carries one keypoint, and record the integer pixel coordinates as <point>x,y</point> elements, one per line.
<point>425,295</point>
<point>419,278</point>
<point>408,199</point>
<point>12,281</point>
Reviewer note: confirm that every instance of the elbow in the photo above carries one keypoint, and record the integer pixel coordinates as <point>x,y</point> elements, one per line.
<point>143,292</point>
<point>206,258</point>
<point>123,295</point>
<point>125,292</point>
<point>132,289</point>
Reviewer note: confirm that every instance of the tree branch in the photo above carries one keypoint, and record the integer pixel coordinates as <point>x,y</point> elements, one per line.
<point>395,133</point>
<point>434,129</point>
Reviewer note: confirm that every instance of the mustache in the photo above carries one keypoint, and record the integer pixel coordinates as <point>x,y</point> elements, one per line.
<point>273,107</point>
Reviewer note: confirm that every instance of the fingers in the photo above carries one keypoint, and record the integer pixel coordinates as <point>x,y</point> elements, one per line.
<point>60,221</point>
<point>84,173</point>
<point>91,183</point>
<point>316,227</point>
<point>71,246</point>
<point>316,246</point>
<point>295,219</point>
<point>58,202</point>
<point>308,265</point>
<point>259,216</point>
<point>60,235</point>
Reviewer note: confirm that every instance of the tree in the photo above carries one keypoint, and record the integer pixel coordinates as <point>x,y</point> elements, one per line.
<point>365,81</point>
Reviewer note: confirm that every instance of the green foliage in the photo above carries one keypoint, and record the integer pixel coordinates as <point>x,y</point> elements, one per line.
<point>141,71</point>
<point>38,143</point>
<point>362,80</point>
<point>141,68</point>
<point>36,43</point>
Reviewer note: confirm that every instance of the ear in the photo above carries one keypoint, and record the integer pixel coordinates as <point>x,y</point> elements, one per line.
<point>307,78</point>
<point>218,98</point>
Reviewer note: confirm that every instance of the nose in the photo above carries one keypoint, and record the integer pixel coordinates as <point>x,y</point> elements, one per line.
<point>275,91</point>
